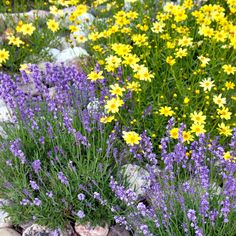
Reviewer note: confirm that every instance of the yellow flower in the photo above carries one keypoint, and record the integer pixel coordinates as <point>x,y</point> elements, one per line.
<point>4,55</point>
<point>206,31</point>
<point>53,25</point>
<point>224,113</point>
<point>73,28</point>
<point>15,41</point>
<point>204,60</point>
<point>134,86</point>
<point>25,67</point>
<point>27,29</point>
<point>187,137</point>
<point>80,9</point>
<point>140,39</point>
<point>166,111</point>
<point>227,155</point>
<point>55,11</point>
<point>181,53</point>
<point>107,119</point>
<point>185,41</point>
<point>174,133</point>
<point>121,49</point>
<point>81,39</point>
<point>186,100</point>
<point>131,138</point>
<point>94,76</point>
<point>113,105</point>
<point>158,27</point>
<point>197,129</point>
<point>130,59</point>
<point>198,118</point>
<point>219,100</point>
<point>116,90</point>
<point>207,84</point>
<point>229,85</point>
<point>228,69</point>
<point>170,60</point>
<point>224,129</point>
<point>144,74</point>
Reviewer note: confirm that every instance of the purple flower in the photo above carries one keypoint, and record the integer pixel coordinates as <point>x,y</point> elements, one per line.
<point>80,214</point>
<point>16,151</point>
<point>49,194</point>
<point>34,185</point>
<point>36,165</point>
<point>81,196</point>
<point>191,214</point>
<point>62,178</point>
<point>37,202</point>
<point>25,202</point>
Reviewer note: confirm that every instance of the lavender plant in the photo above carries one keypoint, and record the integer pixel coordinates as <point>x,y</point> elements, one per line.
<point>192,188</point>
<point>56,159</point>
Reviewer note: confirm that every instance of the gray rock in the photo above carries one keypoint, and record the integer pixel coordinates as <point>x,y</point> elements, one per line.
<point>118,230</point>
<point>8,232</point>
<point>137,178</point>
<point>38,230</point>
<point>4,219</point>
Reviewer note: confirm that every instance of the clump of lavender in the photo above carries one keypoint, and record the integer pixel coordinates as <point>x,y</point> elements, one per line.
<point>51,149</point>
<point>192,190</point>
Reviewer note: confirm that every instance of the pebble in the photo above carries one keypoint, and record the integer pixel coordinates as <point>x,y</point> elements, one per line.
<point>8,232</point>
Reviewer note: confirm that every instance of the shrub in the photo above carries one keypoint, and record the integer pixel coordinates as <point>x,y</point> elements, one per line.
<point>56,159</point>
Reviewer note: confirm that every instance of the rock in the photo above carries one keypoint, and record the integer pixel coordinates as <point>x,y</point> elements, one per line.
<point>53,52</point>
<point>8,232</point>
<point>30,15</point>
<point>38,230</point>
<point>86,230</point>
<point>5,113</point>
<point>70,54</point>
<point>26,225</point>
<point>29,88</point>
<point>94,106</point>
<point>64,43</point>
<point>137,178</point>
<point>118,230</point>
<point>4,220</point>
<point>85,19</point>
<point>3,134</point>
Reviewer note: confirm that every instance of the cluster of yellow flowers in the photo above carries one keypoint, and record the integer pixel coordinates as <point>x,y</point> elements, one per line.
<point>194,46</point>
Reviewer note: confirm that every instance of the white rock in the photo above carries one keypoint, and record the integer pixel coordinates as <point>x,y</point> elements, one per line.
<point>31,15</point>
<point>53,52</point>
<point>94,106</point>
<point>8,232</point>
<point>86,230</point>
<point>86,19</point>
<point>5,113</point>
<point>4,219</point>
<point>78,34</point>
<point>137,178</point>
<point>70,54</point>
<point>128,3</point>
<point>3,133</point>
